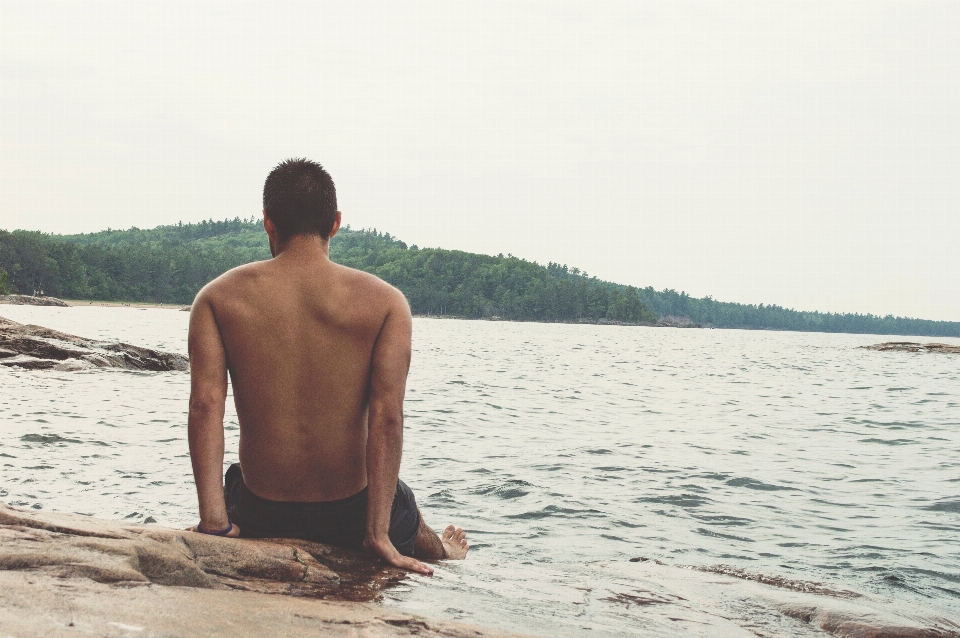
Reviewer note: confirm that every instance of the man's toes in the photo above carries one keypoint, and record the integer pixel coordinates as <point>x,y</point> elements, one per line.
<point>448,532</point>
<point>459,535</point>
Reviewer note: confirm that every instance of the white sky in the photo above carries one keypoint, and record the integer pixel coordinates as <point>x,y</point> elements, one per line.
<point>798,153</point>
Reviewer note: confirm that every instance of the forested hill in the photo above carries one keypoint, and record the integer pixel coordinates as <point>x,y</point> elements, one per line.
<point>170,264</point>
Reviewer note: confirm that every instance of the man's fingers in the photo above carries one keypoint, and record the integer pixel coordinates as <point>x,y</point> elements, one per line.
<point>413,565</point>
<point>389,553</point>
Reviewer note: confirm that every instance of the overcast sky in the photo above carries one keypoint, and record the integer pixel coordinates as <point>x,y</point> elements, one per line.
<point>798,153</point>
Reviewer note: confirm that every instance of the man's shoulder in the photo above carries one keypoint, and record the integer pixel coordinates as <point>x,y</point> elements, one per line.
<point>365,284</point>
<point>230,281</point>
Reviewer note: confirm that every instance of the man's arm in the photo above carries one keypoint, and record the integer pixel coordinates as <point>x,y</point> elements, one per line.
<point>388,382</point>
<point>208,394</point>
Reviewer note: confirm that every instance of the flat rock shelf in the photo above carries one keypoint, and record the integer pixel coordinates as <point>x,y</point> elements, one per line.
<point>38,348</point>
<point>65,575</point>
<point>913,346</point>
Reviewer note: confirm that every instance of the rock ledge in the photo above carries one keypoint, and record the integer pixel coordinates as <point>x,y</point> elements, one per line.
<point>39,348</point>
<point>27,300</point>
<point>66,575</point>
<point>913,346</point>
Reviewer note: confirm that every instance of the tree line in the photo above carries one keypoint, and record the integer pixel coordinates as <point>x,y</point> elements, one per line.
<point>169,264</point>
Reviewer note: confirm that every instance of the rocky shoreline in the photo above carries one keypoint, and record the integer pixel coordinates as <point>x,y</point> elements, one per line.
<point>38,348</point>
<point>69,575</point>
<point>30,300</point>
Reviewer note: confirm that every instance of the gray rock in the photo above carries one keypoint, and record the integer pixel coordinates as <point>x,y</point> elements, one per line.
<point>913,346</point>
<point>721,600</point>
<point>39,348</point>
<point>70,546</point>
<point>67,575</point>
<point>27,300</point>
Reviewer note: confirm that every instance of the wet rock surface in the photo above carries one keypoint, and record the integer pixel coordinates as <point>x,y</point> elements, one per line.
<point>68,575</point>
<point>27,300</point>
<point>721,600</point>
<point>38,348</point>
<point>913,346</point>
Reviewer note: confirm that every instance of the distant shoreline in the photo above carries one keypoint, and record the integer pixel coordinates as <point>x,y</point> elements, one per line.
<point>173,306</point>
<point>142,305</point>
<point>124,304</point>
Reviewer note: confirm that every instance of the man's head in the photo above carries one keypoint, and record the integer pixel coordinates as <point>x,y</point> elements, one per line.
<point>299,197</point>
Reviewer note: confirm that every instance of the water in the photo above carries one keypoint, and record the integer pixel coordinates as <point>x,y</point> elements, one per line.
<point>565,450</point>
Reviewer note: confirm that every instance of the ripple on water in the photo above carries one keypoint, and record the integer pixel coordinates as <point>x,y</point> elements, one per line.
<point>510,489</point>
<point>952,506</point>
<point>47,439</point>
<point>680,500</point>
<point>754,484</point>
<point>553,511</point>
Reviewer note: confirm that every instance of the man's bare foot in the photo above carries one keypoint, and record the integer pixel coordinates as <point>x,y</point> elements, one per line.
<point>455,543</point>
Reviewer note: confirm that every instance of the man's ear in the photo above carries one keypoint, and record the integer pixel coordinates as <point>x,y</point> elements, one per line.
<point>269,226</point>
<point>336,225</point>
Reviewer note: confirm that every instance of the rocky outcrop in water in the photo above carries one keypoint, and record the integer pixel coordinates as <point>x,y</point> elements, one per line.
<point>721,600</point>
<point>65,574</point>
<point>27,300</point>
<point>913,346</point>
<point>671,321</point>
<point>39,348</point>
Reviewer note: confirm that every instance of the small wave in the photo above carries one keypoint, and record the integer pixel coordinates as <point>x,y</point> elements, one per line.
<point>944,506</point>
<point>888,441</point>
<point>953,578</point>
<point>680,500</point>
<point>513,488</point>
<point>706,532</point>
<point>896,425</point>
<point>811,587</point>
<point>730,521</point>
<point>714,476</point>
<point>443,496</point>
<point>893,579</point>
<point>47,439</point>
<point>550,511</point>
<point>753,484</point>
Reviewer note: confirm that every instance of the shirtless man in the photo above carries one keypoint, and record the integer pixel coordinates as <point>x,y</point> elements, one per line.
<point>318,355</point>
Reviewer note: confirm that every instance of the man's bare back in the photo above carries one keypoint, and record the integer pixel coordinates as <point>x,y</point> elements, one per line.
<point>299,336</point>
<point>318,355</point>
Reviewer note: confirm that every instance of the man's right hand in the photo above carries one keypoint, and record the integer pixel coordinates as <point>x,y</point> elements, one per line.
<point>385,549</point>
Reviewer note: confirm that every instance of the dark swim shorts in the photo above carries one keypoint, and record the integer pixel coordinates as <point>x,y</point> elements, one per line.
<point>342,522</point>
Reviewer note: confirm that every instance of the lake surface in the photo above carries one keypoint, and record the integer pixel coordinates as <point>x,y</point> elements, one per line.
<point>564,449</point>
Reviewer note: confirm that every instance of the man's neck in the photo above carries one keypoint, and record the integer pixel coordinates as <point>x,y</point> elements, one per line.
<point>304,248</point>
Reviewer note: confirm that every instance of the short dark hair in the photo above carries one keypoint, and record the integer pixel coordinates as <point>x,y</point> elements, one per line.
<point>300,198</point>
